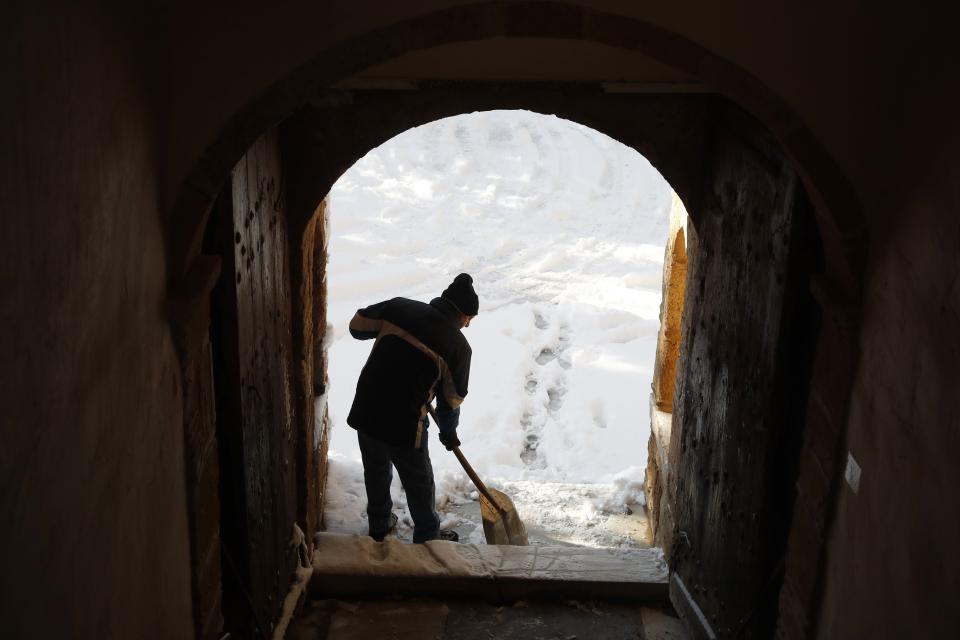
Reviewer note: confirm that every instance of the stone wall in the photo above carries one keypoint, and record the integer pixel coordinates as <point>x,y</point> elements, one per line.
<point>321,424</point>
<point>308,275</point>
<point>671,309</point>
<point>664,375</point>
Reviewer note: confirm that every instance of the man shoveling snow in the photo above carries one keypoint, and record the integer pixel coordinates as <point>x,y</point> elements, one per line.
<point>419,351</point>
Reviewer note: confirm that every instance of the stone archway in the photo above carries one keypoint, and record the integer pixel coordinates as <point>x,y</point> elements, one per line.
<point>840,222</point>
<point>840,228</point>
<point>744,196</point>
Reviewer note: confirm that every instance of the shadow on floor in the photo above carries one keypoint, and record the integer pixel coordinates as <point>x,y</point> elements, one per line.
<point>477,620</point>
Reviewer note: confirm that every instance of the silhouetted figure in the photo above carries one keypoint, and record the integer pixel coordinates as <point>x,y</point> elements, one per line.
<point>419,353</point>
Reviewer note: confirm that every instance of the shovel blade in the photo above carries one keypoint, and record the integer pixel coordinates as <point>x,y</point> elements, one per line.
<point>503,525</point>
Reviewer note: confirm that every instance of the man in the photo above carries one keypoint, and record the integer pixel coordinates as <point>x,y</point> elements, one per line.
<point>419,352</point>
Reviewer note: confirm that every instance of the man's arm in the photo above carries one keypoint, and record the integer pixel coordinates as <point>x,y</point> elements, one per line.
<point>367,322</point>
<point>451,395</point>
<point>454,380</point>
<point>448,418</point>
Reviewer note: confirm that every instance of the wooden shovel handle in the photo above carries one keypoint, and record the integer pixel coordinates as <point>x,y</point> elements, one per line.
<point>482,488</point>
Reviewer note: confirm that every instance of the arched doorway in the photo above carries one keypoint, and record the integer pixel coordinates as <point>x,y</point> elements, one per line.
<point>563,231</point>
<point>677,145</point>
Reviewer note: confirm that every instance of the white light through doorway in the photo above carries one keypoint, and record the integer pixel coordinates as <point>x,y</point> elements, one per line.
<point>563,230</point>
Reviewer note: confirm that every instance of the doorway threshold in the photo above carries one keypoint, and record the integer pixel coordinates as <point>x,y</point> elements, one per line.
<point>351,565</point>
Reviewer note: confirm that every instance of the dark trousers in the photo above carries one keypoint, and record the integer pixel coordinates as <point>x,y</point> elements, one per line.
<point>416,476</point>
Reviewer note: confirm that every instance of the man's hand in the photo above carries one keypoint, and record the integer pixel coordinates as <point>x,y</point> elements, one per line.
<point>449,439</point>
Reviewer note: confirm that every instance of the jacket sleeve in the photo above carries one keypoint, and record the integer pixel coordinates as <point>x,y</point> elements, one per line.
<point>453,392</point>
<point>448,418</point>
<point>367,322</point>
<point>454,379</point>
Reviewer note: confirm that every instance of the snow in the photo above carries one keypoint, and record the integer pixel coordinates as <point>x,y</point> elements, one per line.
<point>562,229</point>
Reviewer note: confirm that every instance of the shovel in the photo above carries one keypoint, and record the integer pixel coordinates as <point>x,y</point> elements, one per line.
<point>501,523</point>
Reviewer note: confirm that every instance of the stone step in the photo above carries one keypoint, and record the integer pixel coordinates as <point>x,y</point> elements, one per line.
<point>463,619</point>
<point>349,565</point>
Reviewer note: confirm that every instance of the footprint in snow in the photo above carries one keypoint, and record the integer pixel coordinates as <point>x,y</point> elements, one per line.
<point>539,321</point>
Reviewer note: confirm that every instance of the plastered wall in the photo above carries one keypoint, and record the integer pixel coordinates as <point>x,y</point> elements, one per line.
<point>857,49</point>
<point>893,569</point>
<point>94,541</point>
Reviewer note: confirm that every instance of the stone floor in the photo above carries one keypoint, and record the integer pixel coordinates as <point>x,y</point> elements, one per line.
<point>456,619</point>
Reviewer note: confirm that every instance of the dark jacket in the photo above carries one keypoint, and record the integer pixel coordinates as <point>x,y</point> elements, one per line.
<point>419,352</point>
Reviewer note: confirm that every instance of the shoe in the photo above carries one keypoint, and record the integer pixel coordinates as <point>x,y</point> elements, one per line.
<point>449,536</point>
<point>391,527</point>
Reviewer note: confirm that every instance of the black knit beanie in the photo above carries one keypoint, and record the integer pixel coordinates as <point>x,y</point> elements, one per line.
<point>461,294</point>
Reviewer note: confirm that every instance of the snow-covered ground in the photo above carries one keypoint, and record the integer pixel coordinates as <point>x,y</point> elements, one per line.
<point>562,229</point>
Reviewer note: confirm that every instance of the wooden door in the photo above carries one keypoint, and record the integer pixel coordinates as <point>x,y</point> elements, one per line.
<point>251,327</point>
<point>748,332</point>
